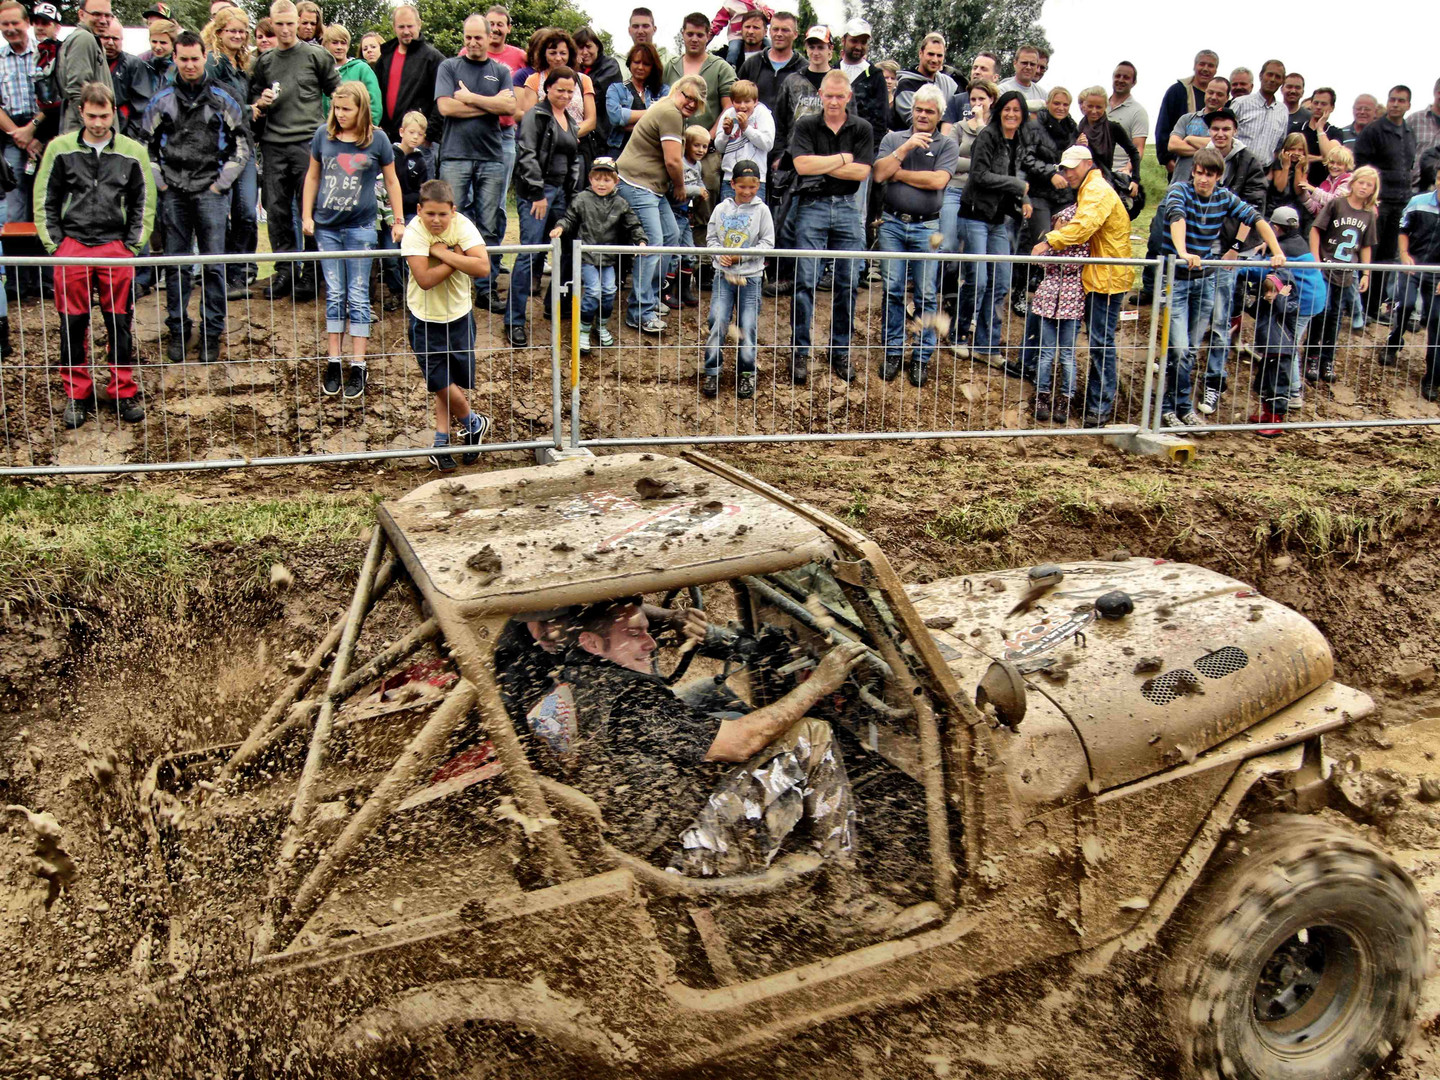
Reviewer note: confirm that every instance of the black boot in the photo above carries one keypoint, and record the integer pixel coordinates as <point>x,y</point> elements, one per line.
<point>280,285</point>
<point>688,296</point>
<point>305,283</point>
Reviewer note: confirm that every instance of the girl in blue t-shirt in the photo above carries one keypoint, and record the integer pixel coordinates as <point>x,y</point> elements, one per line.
<point>338,209</point>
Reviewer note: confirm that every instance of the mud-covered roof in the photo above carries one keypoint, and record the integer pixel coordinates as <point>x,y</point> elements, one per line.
<point>592,529</point>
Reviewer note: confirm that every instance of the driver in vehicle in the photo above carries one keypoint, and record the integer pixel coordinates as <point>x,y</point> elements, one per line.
<point>677,787</point>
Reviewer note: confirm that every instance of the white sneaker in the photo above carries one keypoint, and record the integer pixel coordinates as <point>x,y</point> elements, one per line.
<point>655,325</point>
<point>662,310</point>
<point>1209,404</point>
<point>1170,419</point>
<point>1192,419</point>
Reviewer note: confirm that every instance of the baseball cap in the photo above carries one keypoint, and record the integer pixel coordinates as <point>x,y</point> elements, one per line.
<point>743,169</point>
<point>1287,217</point>
<point>604,164</point>
<point>159,8</point>
<point>45,12</point>
<point>1074,156</point>
<point>857,28</point>
<point>818,33</point>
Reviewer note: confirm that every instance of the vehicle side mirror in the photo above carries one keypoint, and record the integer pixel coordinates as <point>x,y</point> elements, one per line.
<point>1004,689</point>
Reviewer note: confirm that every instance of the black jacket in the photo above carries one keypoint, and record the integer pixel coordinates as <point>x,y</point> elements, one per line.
<point>872,100</point>
<point>1391,150</point>
<point>94,198</point>
<point>605,74</point>
<point>417,86</point>
<point>533,148</point>
<point>767,80</point>
<point>196,136</point>
<point>135,84</point>
<point>1245,177</point>
<point>997,183</point>
<point>602,221</point>
<point>1045,140</point>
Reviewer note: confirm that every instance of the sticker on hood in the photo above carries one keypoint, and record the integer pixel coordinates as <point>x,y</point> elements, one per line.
<point>1043,636</point>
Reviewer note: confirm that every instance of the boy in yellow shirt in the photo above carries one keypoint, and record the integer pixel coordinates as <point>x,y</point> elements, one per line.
<point>444,249</point>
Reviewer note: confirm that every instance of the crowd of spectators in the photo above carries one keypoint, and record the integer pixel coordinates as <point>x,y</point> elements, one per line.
<point>752,134</point>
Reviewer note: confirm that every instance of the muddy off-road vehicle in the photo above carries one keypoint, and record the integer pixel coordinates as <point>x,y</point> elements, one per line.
<point>1118,755</point>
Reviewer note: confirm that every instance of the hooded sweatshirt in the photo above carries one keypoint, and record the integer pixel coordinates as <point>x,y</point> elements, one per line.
<point>741,225</point>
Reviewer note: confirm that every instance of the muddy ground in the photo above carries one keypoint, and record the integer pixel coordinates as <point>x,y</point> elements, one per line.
<point>1336,525</point>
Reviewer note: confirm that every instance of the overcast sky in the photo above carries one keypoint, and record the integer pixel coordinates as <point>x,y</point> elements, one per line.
<point>1089,37</point>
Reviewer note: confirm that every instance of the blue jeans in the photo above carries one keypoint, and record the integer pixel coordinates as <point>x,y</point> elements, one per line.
<point>1190,313</point>
<point>725,297</point>
<point>479,189</point>
<point>1221,308</point>
<point>597,292</point>
<point>825,222</point>
<point>390,269</point>
<point>983,295</point>
<point>1057,348</point>
<point>185,219</point>
<point>507,155</point>
<point>896,235</point>
<point>659,223</point>
<point>533,230</point>
<point>243,231</point>
<point>950,220</point>
<point>1104,377</point>
<point>347,281</point>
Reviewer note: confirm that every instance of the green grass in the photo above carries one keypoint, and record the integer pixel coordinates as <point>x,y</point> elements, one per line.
<point>65,546</point>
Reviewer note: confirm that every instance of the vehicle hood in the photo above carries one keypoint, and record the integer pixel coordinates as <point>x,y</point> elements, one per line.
<point>1201,657</point>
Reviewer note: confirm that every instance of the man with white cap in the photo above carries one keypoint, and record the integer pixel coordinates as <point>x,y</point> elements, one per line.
<point>871,101</point>
<point>1102,221</point>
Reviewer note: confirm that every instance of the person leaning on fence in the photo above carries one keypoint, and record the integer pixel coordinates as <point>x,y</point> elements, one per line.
<point>1310,292</point>
<point>199,146</point>
<point>445,251</point>
<point>915,166</point>
<point>347,156</point>
<point>1196,212</point>
<point>652,167</point>
<point>1420,245</point>
<point>1101,221</point>
<point>599,216</point>
<point>742,220</point>
<point>1343,233</point>
<point>95,199</point>
<point>832,152</point>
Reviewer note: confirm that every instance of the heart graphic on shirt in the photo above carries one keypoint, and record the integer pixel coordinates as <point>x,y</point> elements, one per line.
<point>353,163</point>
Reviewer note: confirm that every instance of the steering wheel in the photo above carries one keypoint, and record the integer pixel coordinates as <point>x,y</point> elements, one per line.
<point>688,656</point>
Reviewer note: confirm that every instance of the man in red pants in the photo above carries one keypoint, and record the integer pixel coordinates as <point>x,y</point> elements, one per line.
<point>95,197</point>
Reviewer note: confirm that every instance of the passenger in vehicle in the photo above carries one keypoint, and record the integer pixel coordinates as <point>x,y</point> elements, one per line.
<point>526,656</point>
<point>677,787</point>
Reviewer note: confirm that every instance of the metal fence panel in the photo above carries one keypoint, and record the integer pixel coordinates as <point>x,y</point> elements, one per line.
<point>1363,383</point>
<point>261,403</point>
<point>650,388</point>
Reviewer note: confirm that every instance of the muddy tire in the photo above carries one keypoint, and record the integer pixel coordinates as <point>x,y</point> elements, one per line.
<point>1300,959</point>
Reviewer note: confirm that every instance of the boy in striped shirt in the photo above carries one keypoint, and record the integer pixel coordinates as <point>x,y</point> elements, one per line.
<point>1194,213</point>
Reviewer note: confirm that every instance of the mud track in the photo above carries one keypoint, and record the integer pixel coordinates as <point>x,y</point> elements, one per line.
<point>87,705</point>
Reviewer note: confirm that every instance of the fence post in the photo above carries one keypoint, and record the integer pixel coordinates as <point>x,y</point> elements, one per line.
<point>575,348</point>
<point>556,275</point>
<point>1148,403</point>
<point>1163,349</point>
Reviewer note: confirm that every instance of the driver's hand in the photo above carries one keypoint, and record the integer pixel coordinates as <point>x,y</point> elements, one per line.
<point>695,625</point>
<point>837,664</point>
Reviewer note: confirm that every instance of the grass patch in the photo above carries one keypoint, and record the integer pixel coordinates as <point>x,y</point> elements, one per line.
<point>987,518</point>
<point>64,546</point>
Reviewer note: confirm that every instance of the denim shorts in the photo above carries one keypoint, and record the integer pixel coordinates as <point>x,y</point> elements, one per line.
<point>445,352</point>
